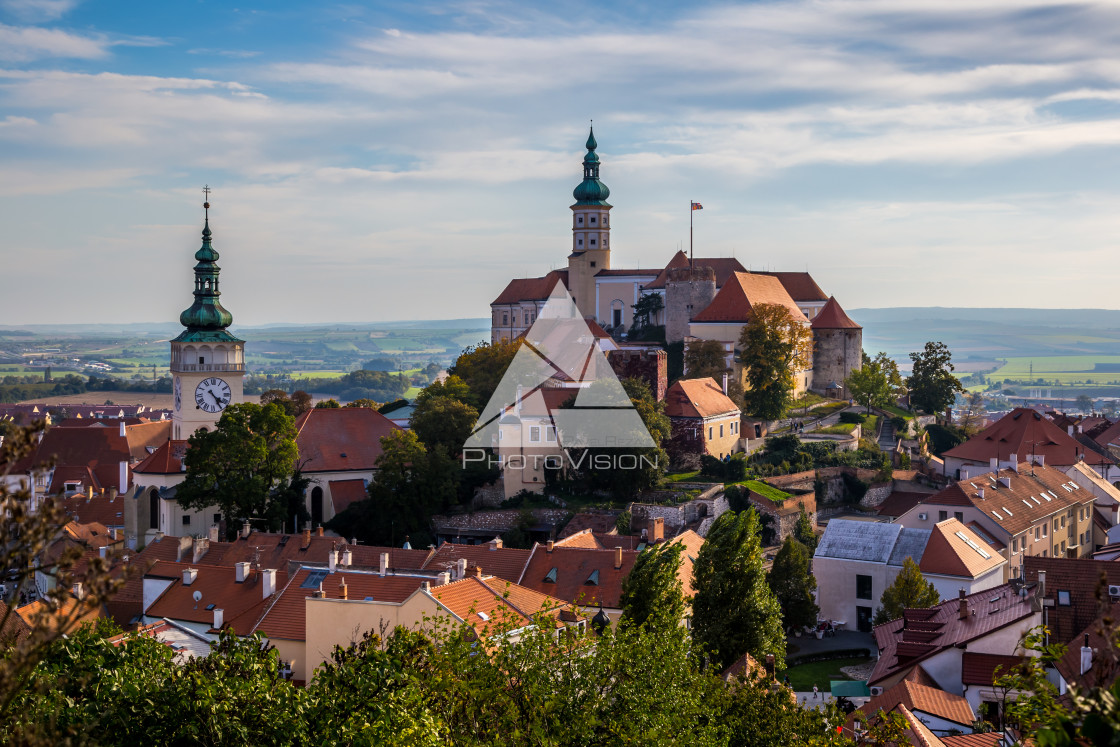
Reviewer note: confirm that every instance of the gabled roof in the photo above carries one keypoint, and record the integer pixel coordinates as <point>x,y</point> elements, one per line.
<point>724,268</point>
<point>743,291</point>
<point>167,459</point>
<point>832,316</point>
<point>567,573</point>
<point>102,508</point>
<point>901,501</point>
<point>346,492</point>
<point>976,739</point>
<point>504,562</point>
<point>919,699</point>
<point>598,522</point>
<point>1082,578</point>
<point>875,542</point>
<point>800,285</point>
<point>1107,435</point>
<point>218,587</point>
<point>1024,432</point>
<point>341,439</point>
<point>698,398</point>
<point>480,601</point>
<point>1104,668</point>
<point>955,550</point>
<point>919,634</point>
<point>277,550</point>
<point>86,454</point>
<point>531,289</point>
<point>1029,498</point>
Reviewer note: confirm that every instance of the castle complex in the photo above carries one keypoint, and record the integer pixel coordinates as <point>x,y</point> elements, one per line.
<point>708,298</point>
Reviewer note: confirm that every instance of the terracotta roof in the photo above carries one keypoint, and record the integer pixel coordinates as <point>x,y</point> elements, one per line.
<point>101,450</point>
<point>42,614</point>
<point>980,669</point>
<point>832,316</point>
<point>698,398</point>
<point>920,634</point>
<point>741,292</point>
<point>984,739</point>
<point>799,285</point>
<point>746,665</point>
<point>582,538</point>
<point>345,492</point>
<point>1081,577</point>
<point>531,289</point>
<point>901,501</point>
<point>341,439</point>
<point>692,543</point>
<point>165,460</point>
<point>1029,499</point>
<point>14,627</point>
<point>277,550</point>
<point>919,698</point>
<point>724,268</point>
<point>580,575</point>
<point>286,618</point>
<point>218,586</point>
<point>100,509</point>
<point>955,550</point>
<point>918,733</point>
<point>126,606</point>
<point>1104,667</point>
<point>1108,434</point>
<point>483,600</point>
<point>921,676</point>
<point>1024,432</point>
<point>504,562</point>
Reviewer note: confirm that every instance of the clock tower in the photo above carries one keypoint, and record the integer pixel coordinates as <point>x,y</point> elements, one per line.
<point>207,362</point>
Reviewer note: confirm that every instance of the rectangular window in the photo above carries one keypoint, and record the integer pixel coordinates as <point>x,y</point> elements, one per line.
<point>579,242</point>
<point>592,264</point>
<point>217,518</point>
<point>1036,534</point>
<point>535,433</point>
<point>550,433</point>
<point>592,242</point>
<point>863,587</point>
<point>959,516</point>
<point>1014,545</point>
<point>186,520</point>
<point>721,431</point>
<point>1045,527</point>
<point>593,219</point>
<point>505,318</point>
<point>942,515</point>
<point>710,433</point>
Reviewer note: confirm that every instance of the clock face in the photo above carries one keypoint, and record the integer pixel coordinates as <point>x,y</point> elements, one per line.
<point>212,395</point>
<point>178,394</point>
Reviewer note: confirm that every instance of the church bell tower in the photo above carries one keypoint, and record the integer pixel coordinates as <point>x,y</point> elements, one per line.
<point>591,232</point>
<point>207,362</point>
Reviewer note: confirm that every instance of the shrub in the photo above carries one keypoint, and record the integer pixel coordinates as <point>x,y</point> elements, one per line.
<point>901,425</point>
<point>852,417</point>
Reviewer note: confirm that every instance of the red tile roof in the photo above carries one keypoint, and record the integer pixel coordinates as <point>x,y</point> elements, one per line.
<point>1104,668</point>
<point>901,501</point>
<point>724,268</point>
<point>531,289</point>
<point>832,316</point>
<point>218,586</point>
<point>984,739</point>
<point>799,285</point>
<point>341,439</point>
<point>1081,577</point>
<point>580,575</point>
<point>73,450</point>
<point>918,698</point>
<point>346,492</point>
<point>698,398</point>
<point>167,459</point>
<point>599,522</point>
<point>1024,432</point>
<point>919,634</point>
<point>981,669</point>
<point>277,550</point>
<point>741,292</point>
<point>504,562</point>
<point>955,550</point>
<point>496,599</point>
<point>100,509</point>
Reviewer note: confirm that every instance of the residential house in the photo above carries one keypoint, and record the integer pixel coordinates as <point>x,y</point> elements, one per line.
<point>1076,592</point>
<point>582,576</point>
<point>1031,509</point>
<point>704,419</point>
<point>1107,503</point>
<point>941,712</point>
<point>209,598</point>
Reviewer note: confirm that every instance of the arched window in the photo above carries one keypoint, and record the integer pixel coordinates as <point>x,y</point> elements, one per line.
<point>153,509</point>
<point>316,506</point>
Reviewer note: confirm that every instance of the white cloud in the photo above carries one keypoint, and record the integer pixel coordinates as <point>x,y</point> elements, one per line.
<point>22,44</point>
<point>38,11</point>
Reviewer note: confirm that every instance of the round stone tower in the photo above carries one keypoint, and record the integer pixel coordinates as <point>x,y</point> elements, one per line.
<point>687,293</point>
<point>837,349</point>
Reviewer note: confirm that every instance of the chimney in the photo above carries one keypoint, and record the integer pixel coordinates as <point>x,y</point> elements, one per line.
<point>1015,462</point>
<point>656,530</point>
<point>384,566</point>
<point>219,618</point>
<point>725,385</point>
<point>343,592</point>
<point>78,590</point>
<point>1005,482</point>
<point>332,560</point>
<point>306,538</point>
<point>113,534</point>
<point>1086,656</point>
<point>103,550</point>
<point>425,586</point>
<point>123,478</point>
<point>268,582</point>
<point>346,557</point>
<point>123,431</point>
<point>549,546</point>
<point>245,530</point>
<point>618,557</point>
<point>201,547</point>
<point>962,605</point>
<point>1069,430</point>
<point>189,575</point>
<point>476,571</point>
<point>1042,584</point>
<point>319,531</point>
<point>443,579</point>
<point>980,493</point>
<point>241,571</point>
<point>496,543</point>
<point>185,544</point>
<point>212,533</point>
<point>994,464</point>
<point>460,569</point>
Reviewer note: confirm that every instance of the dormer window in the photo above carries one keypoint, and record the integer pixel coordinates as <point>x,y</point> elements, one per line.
<point>550,577</point>
<point>593,579</point>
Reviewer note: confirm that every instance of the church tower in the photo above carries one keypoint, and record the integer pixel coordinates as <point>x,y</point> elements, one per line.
<point>591,230</point>
<point>207,362</point>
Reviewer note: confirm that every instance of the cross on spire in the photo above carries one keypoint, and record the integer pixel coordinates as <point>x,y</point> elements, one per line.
<point>206,205</point>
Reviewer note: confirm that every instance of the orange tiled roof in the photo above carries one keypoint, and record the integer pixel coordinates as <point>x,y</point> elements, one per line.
<point>101,509</point>
<point>531,289</point>
<point>218,586</point>
<point>580,575</point>
<point>496,599</point>
<point>599,522</point>
<point>582,538</point>
<point>167,459</point>
<point>698,398</point>
<point>948,554</point>
<point>341,439</point>
<point>1024,432</point>
<point>985,739</point>
<point>277,550</point>
<point>741,292</point>
<point>832,316</point>
<point>922,698</point>
<point>799,285</point>
<point>504,562</point>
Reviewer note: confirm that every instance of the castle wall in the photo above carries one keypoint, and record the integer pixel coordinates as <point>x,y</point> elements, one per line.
<point>837,352</point>
<point>687,293</point>
<point>649,364</point>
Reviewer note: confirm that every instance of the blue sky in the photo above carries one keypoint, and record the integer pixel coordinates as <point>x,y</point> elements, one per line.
<point>403,161</point>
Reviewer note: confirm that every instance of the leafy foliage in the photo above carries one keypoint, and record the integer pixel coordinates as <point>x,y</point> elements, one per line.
<point>804,532</point>
<point>877,383</point>
<point>908,590</point>
<point>481,367</point>
<point>703,358</point>
<point>773,348</point>
<point>932,384</point>
<point>793,584</point>
<point>651,593</point>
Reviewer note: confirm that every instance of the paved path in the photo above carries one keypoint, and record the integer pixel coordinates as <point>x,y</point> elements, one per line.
<point>844,639</point>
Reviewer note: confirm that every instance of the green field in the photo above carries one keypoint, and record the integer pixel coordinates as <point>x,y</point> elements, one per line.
<point>1064,369</point>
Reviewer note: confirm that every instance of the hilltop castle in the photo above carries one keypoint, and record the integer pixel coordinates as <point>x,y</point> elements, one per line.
<point>709,298</point>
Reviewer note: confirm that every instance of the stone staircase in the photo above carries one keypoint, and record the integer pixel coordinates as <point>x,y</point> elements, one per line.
<point>887,440</point>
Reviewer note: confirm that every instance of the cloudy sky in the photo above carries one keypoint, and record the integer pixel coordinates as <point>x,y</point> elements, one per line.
<point>375,161</point>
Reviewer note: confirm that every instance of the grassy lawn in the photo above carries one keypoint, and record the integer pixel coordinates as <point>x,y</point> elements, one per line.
<point>803,676</point>
<point>820,412</point>
<point>682,476</point>
<point>840,429</point>
<point>870,426</point>
<point>766,491</point>
<point>896,410</point>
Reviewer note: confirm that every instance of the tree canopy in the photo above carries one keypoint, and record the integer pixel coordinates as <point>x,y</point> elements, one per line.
<point>908,590</point>
<point>242,465</point>
<point>793,584</point>
<point>481,367</point>
<point>705,358</point>
<point>773,348</point>
<point>653,587</point>
<point>876,383</point>
<point>933,387</point>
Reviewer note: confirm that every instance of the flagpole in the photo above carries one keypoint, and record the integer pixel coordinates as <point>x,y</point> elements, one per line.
<point>691,268</point>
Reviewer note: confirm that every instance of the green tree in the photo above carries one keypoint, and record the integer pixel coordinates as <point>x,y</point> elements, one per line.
<point>653,587</point>
<point>733,609</point>
<point>704,358</point>
<point>452,387</point>
<point>443,421</point>
<point>876,383</point>
<point>481,367</point>
<point>1084,403</point>
<point>242,465</point>
<point>328,404</point>
<point>364,402</point>
<point>909,590</point>
<point>793,584</point>
<point>645,312</point>
<point>773,348</point>
<point>804,531</point>
<point>933,387</point>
